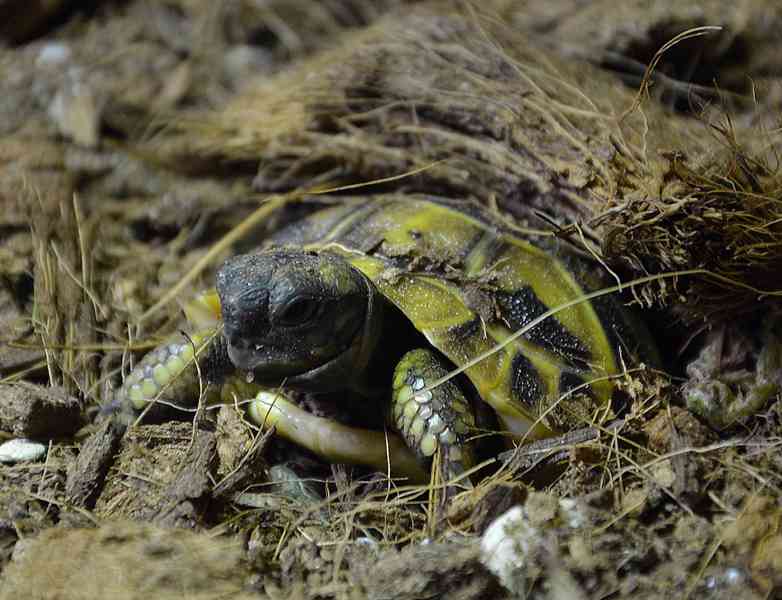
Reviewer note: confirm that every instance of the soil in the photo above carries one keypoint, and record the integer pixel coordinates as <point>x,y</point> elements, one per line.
<point>134,135</point>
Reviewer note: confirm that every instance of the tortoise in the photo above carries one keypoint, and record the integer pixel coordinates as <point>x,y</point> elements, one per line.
<point>382,300</point>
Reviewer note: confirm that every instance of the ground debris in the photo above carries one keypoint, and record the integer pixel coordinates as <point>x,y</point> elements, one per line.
<point>188,494</point>
<point>152,474</point>
<point>737,372</point>
<point>755,536</point>
<point>125,561</point>
<point>479,507</point>
<point>179,109</point>
<point>450,568</point>
<point>87,472</point>
<point>241,456</point>
<point>624,38</point>
<point>33,411</point>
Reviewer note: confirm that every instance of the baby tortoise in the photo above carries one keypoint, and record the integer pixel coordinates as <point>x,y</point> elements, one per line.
<point>382,300</point>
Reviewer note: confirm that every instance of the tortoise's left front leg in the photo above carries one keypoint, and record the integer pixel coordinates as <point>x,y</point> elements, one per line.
<point>436,421</point>
<point>177,371</point>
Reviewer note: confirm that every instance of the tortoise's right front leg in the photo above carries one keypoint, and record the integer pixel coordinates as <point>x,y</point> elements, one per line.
<point>174,373</point>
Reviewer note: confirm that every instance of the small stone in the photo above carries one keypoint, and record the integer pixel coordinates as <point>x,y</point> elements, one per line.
<point>505,546</point>
<point>76,111</point>
<point>53,54</point>
<point>21,450</point>
<point>243,62</point>
<point>369,543</point>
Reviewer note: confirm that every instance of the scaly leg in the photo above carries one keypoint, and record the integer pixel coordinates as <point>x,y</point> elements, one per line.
<point>432,420</point>
<point>169,373</point>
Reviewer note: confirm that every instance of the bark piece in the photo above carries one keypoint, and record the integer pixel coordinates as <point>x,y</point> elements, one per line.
<point>88,472</point>
<point>190,491</point>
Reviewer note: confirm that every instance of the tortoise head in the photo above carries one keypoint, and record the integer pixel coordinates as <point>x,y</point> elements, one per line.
<point>295,316</point>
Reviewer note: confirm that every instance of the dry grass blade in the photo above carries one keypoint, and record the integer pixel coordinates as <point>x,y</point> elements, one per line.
<point>225,242</point>
<point>643,88</point>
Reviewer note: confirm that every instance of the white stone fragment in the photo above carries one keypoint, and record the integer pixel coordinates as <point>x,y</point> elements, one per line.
<point>572,513</point>
<point>368,543</point>
<point>505,545</point>
<point>21,450</point>
<point>53,54</point>
<point>244,63</point>
<point>75,110</point>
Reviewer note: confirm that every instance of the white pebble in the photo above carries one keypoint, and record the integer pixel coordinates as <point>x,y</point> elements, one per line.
<point>20,450</point>
<point>369,543</point>
<point>505,545</point>
<point>572,513</point>
<point>245,62</point>
<point>53,55</point>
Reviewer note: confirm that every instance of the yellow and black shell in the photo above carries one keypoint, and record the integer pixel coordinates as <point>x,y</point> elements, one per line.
<point>467,283</point>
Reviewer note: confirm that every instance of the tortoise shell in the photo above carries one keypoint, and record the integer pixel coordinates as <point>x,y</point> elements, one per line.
<point>467,283</point>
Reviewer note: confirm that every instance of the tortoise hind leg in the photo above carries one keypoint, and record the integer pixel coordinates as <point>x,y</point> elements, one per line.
<point>433,422</point>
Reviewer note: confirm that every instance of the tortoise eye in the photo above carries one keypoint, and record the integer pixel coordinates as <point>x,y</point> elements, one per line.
<point>299,311</point>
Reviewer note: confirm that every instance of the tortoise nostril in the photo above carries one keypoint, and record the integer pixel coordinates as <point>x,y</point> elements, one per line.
<point>238,342</point>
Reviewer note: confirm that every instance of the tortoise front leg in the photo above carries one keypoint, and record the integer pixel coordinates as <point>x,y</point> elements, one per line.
<point>174,373</point>
<point>329,439</point>
<point>169,375</point>
<point>432,420</point>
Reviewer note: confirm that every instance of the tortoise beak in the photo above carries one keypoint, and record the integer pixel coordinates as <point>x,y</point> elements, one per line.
<point>245,358</point>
